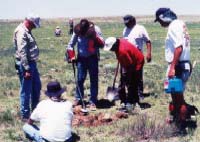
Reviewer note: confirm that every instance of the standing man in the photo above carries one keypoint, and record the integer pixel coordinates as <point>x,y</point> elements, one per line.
<point>177,55</point>
<point>88,38</point>
<point>132,61</point>
<point>71,26</point>
<point>137,35</point>
<point>26,55</point>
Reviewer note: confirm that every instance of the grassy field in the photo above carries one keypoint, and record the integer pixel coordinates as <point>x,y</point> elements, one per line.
<point>146,125</point>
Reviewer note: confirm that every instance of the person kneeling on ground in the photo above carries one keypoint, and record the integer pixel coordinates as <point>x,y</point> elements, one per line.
<point>57,31</point>
<point>55,116</point>
<point>132,60</point>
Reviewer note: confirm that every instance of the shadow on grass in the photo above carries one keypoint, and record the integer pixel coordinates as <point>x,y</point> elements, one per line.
<point>104,104</point>
<point>75,137</point>
<point>144,105</point>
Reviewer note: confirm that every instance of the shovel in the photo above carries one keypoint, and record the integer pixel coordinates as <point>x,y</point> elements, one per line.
<point>83,110</point>
<point>112,92</point>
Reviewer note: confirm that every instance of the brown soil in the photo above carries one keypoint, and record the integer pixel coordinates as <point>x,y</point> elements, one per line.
<point>88,120</point>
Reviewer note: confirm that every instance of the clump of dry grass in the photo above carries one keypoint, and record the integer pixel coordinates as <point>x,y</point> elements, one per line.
<point>146,128</point>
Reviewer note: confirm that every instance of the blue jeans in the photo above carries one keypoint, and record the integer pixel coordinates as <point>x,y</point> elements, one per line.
<point>182,72</point>
<point>29,89</point>
<point>32,132</point>
<point>83,65</point>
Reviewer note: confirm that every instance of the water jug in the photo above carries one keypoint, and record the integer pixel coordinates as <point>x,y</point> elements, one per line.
<point>173,85</point>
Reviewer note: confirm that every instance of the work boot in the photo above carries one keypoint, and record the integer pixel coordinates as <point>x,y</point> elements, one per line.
<point>129,107</point>
<point>172,114</point>
<point>123,108</point>
<point>181,125</point>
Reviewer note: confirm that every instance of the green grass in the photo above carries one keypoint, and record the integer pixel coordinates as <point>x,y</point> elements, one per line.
<point>52,66</point>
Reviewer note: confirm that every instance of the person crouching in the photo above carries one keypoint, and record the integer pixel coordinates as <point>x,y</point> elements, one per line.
<point>132,60</point>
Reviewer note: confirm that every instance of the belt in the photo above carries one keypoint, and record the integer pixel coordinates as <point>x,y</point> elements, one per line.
<point>184,61</point>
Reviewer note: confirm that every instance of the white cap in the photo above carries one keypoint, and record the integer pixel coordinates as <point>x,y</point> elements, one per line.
<point>35,19</point>
<point>109,42</point>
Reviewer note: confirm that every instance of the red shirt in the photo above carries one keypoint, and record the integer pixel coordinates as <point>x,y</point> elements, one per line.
<point>129,55</point>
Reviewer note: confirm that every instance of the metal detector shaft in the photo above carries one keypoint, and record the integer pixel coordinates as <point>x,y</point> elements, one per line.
<point>77,87</point>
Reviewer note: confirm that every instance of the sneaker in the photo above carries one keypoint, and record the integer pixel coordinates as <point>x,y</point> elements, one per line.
<point>129,107</point>
<point>92,107</point>
<point>123,108</point>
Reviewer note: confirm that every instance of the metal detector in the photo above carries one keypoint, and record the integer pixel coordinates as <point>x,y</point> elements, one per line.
<point>83,110</point>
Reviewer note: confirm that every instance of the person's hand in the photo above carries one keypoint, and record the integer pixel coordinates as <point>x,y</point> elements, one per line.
<point>70,56</point>
<point>72,60</point>
<point>148,58</point>
<point>27,75</point>
<point>171,72</point>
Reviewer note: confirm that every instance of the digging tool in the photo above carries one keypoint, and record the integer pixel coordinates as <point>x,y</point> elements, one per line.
<point>83,110</point>
<point>112,92</point>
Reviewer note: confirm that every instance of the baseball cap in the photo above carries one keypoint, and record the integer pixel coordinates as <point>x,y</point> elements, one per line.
<point>165,14</point>
<point>35,19</point>
<point>109,42</point>
<point>128,18</point>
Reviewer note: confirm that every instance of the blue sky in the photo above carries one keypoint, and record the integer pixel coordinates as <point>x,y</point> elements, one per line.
<point>18,9</point>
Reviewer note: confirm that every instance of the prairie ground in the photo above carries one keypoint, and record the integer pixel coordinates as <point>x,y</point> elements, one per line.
<point>146,125</point>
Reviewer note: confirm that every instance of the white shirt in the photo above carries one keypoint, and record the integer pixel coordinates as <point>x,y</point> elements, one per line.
<point>177,35</point>
<point>55,119</point>
<point>136,35</point>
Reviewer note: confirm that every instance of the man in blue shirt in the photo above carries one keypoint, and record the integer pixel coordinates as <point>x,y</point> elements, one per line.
<point>88,38</point>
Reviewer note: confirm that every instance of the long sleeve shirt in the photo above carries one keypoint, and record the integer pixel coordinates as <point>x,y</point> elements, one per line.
<point>82,42</point>
<point>129,56</point>
<point>26,48</point>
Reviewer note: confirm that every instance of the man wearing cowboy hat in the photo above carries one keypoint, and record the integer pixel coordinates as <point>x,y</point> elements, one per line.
<point>55,116</point>
<point>88,38</point>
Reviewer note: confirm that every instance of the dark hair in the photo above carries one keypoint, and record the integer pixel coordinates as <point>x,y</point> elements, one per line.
<point>115,45</point>
<point>84,26</point>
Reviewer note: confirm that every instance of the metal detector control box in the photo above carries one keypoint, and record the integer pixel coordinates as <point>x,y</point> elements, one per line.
<point>173,85</point>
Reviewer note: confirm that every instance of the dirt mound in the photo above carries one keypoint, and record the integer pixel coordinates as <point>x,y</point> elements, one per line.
<point>95,119</point>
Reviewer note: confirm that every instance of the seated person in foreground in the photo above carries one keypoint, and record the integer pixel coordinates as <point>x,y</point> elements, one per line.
<point>54,116</point>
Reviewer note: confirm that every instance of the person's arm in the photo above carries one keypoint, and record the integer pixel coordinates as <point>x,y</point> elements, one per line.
<point>148,54</point>
<point>177,54</point>
<point>70,53</point>
<point>99,38</point>
<point>22,48</point>
<point>147,40</point>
